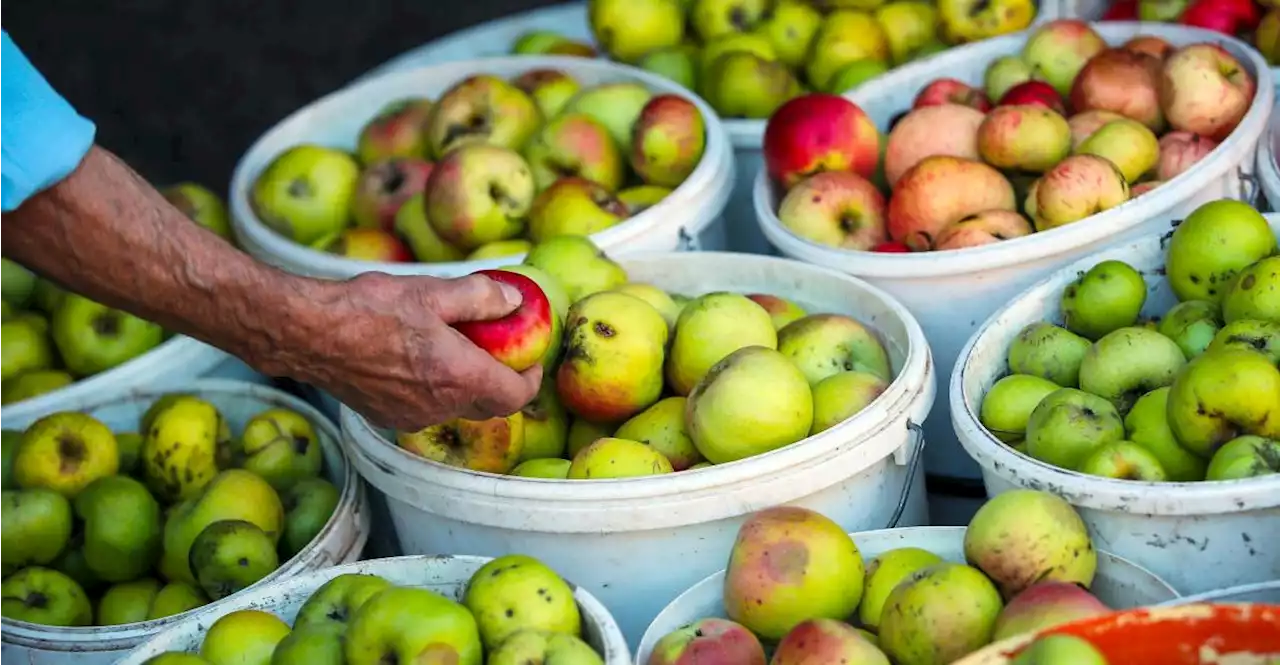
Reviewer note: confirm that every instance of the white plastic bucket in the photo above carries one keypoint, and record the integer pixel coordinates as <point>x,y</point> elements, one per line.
<point>446,575</point>
<point>952,292</point>
<point>341,540</point>
<point>688,218</point>
<point>497,37</point>
<point>1260,592</point>
<point>176,361</point>
<point>636,543</point>
<point>1267,169</point>
<point>1198,536</point>
<point>1119,583</point>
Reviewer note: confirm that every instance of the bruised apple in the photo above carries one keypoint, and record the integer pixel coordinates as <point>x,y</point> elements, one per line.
<point>945,129</point>
<point>940,191</point>
<point>1180,151</point>
<point>1123,81</point>
<point>1079,186</point>
<point>983,228</point>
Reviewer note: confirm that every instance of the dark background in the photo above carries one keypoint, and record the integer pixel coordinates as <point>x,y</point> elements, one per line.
<point>180,89</point>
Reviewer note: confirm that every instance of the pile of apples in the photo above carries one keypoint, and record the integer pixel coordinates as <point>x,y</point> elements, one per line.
<point>1079,127</point>
<point>486,170</point>
<point>514,611</point>
<point>797,583</point>
<point>641,382</point>
<point>1254,22</point>
<point>106,528</point>
<point>1192,397</point>
<point>748,57</point>
<point>52,338</point>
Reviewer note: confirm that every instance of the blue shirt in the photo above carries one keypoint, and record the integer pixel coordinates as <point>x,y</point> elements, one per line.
<point>42,138</point>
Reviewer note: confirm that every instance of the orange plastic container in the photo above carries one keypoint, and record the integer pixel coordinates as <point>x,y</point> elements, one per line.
<point>1196,634</point>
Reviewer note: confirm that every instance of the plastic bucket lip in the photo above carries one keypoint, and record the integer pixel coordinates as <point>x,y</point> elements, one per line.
<point>1053,241</point>
<point>1109,494</point>
<point>706,187</point>
<point>124,636</point>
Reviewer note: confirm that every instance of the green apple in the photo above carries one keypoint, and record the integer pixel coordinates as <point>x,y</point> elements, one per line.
<point>1129,363</point>
<point>201,205</point>
<point>65,452</point>
<point>517,592</point>
<point>573,206</point>
<point>1212,245</point>
<point>281,446</point>
<point>712,327</point>
<point>909,25</point>
<point>884,573</point>
<point>1192,325</point>
<point>16,283</point>
<point>234,494</point>
<point>1060,649</point>
<point>1161,11</point>
<point>1004,73</point>
<point>305,192</point>
<point>578,264</point>
<point>92,337</point>
<point>550,89</point>
<point>825,344</point>
<point>478,194</point>
<point>332,606</point>
<point>72,564</point>
<point>661,300</point>
<point>939,614</point>
<point>176,658</point>
<point>46,597</point>
<point>790,28</point>
<point>844,37</point>
<point>406,625</point>
<point>1069,424</point>
<point>1254,293</point>
<point>308,506</point>
<point>35,528</point>
<point>843,395</point>
<point>47,296</point>
<point>1007,406</point>
<point>583,433</point>
<point>122,528</point>
<point>313,646</point>
<point>611,457</point>
<point>715,18</point>
<point>1128,144</point>
<point>614,105</point>
<point>1260,336</point>
<point>427,246</point>
<point>482,109</point>
<point>662,428</point>
<point>744,85</point>
<point>575,145</point>
<point>629,29</point>
<point>230,555</point>
<point>127,602</point>
<point>550,468</point>
<point>755,43</point>
<point>396,131</point>
<point>33,384</point>
<point>1049,352</point>
<point>1107,297</point>
<point>1245,457</point>
<point>25,348</point>
<point>546,425</point>
<point>175,598</point>
<point>675,63</point>
<point>1223,394</point>
<point>1058,50</point>
<point>10,440</point>
<point>1147,424</point>
<point>243,637</point>
<point>1124,460</point>
<point>534,647</point>
<point>855,74</point>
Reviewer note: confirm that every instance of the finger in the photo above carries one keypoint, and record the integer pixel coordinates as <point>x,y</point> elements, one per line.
<point>503,391</point>
<point>472,298</point>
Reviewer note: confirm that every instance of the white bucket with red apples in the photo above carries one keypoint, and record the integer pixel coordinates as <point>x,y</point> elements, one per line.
<point>1198,536</point>
<point>496,38</point>
<point>687,218</point>
<point>951,293</point>
<point>636,543</point>
<point>445,575</point>
<point>1118,583</point>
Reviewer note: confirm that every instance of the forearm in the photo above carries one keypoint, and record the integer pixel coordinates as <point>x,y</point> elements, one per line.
<point>107,234</point>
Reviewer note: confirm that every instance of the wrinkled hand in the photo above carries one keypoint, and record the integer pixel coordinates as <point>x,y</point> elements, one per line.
<point>391,355</point>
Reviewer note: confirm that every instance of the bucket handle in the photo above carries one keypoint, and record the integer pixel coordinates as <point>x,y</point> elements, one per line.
<point>1249,186</point>
<point>688,243</point>
<point>915,434</point>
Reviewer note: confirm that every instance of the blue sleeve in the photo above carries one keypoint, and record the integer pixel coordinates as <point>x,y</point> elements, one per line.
<point>42,138</point>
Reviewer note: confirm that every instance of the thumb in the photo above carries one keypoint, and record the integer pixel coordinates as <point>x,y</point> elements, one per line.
<point>473,298</point>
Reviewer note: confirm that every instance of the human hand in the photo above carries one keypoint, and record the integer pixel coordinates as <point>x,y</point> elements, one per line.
<point>383,346</point>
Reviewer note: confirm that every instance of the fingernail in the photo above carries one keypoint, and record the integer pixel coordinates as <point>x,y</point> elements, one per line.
<point>510,294</point>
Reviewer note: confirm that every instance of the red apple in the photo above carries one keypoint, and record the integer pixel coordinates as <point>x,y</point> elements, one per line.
<point>1205,90</point>
<point>1122,10</point>
<point>1179,151</point>
<point>1045,605</point>
<point>1150,45</point>
<point>836,209</point>
<point>368,245</point>
<point>892,247</point>
<point>819,132</point>
<point>1036,93</point>
<point>1230,17</point>
<point>1143,187</point>
<point>951,91</point>
<point>708,642</point>
<point>983,228</point>
<point>946,129</point>
<point>821,641</point>
<point>1121,81</point>
<point>940,191</point>
<point>520,339</point>
<point>384,187</point>
<point>1085,123</point>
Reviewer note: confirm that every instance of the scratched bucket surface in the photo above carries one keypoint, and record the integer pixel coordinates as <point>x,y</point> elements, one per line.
<point>1198,536</point>
<point>340,541</point>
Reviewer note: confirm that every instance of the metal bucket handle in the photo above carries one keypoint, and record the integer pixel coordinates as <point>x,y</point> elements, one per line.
<point>914,433</point>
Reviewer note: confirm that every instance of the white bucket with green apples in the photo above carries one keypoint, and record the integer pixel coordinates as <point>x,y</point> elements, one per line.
<point>1118,583</point>
<point>953,292</point>
<point>687,218</point>
<point>637,542</point>
<point>1199,536</point>
<point>340,541</point>
<point>445,575</point>
<point>496,38</point>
